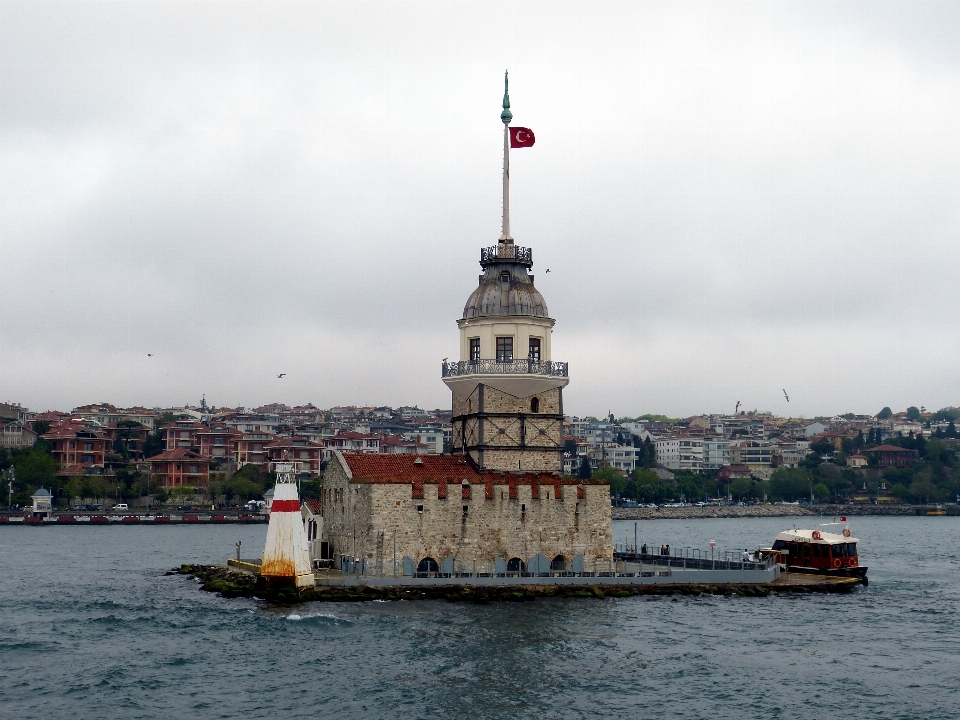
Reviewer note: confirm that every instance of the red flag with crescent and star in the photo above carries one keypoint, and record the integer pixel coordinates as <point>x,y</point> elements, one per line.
<point>521,137</point>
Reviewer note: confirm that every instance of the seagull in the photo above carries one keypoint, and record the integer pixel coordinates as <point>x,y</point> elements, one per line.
<point>785,395</point>
<point>280,375</point>
<point>736,408</point>
<point>149,354</point>
<point>548,270</point>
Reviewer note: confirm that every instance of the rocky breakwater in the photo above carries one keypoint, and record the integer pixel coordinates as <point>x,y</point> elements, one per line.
<point>691,512</point>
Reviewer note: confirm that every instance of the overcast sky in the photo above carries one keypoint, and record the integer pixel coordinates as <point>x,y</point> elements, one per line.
<point>732,199</point>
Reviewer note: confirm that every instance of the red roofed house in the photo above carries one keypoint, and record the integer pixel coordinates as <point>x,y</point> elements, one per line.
<point>219,443</point>
<point>252,448</point>
<point>891,456</point>
<point>182,434</point>
<point>298,450</point>
<point>180,467</point>
<point>77,447</point>
<point>446,516</point>
<point>733,472</point>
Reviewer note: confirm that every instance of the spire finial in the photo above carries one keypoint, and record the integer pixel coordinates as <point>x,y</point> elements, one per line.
<point>506,115</point>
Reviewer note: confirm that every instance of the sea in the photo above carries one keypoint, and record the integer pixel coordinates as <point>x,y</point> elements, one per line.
<point>92,627</point>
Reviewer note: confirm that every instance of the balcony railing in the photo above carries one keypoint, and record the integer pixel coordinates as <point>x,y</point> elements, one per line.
<point>511,367</point>
<point>506,253</point>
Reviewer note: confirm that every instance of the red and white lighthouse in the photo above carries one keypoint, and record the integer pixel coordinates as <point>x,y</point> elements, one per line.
<point>286,557</point>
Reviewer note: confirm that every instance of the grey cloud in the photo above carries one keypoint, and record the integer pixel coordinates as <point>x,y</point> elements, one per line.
<point>729,196</point>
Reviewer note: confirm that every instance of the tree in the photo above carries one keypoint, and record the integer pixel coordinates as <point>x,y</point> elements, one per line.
<point>913,413</point>
<point>947,413</point>
<point>822,447</point>
<point>649,454</point>
<point>790,483</point>
<point>584,472</point>
<point>821,492</point>
<point>741,487</point>
<point>41,426</point>
<point>614,477</point>
<point>884,414</point>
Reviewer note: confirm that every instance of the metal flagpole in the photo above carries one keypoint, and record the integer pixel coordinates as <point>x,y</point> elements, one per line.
<point>506,116</point>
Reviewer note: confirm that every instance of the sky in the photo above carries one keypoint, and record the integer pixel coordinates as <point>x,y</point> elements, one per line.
<point>733,198</point>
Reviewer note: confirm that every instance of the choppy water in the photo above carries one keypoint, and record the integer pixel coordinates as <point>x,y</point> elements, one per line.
<point>91,628</point>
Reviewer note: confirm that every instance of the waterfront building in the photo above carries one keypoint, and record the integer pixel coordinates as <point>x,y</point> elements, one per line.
<point>180,467</point>
<point>42,503</point>
<point>303,453</point>
<point>683,452</point>
<point>716,453</point>
<point>755,454</point>
<point>77,447</point>
<point>499,503</point>
<point>17,434</point>
<point>891,456</point>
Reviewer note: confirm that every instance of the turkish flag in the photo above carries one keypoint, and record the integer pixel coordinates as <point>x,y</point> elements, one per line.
<point>521,137</point>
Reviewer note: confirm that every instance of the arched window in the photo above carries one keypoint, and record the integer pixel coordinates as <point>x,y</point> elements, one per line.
<point>516,565</point>
<point>558,564</point>
<point>427,565</point>
<point>535,405</point>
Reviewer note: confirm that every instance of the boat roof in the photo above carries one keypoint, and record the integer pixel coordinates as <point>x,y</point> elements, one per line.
<point>826,538</point>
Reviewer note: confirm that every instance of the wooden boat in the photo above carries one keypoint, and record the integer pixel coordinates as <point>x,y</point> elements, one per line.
<point>830,549</point>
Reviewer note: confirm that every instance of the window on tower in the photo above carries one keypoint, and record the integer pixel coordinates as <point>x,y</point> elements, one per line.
<point>504,349</point>
<point>474,350</point>
<point>504,277</point>
<point>534,349</point>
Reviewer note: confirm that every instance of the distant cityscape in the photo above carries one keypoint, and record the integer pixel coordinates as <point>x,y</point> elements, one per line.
<point>102,451</point>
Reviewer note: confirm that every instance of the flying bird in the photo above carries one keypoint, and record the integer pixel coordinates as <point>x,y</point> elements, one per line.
<point>280,375</point>
<point>785,395</point>
<point>548,270</point>
<point>736,408</point>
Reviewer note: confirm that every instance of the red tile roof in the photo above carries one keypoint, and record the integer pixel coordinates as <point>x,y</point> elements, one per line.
<point>314,506</point>
<point>407,468</point>
<point>888,448</point>
<point>177,454</point>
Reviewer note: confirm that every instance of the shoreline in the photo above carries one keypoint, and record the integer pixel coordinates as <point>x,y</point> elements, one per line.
<point>692,512</point>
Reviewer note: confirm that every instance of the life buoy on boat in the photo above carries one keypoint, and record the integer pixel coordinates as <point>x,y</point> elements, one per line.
<point>846,532</point>
<point>837,562</point>
<point>852,562</point>
<point>815,535</point>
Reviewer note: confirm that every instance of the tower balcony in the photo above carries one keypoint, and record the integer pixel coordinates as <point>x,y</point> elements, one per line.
<point>510,367</point>
<point>506,252</point>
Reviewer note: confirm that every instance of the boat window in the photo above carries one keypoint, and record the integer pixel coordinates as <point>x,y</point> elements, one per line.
<point>806,550</point>
<point>837,550</point>
<point>779,545</point>
<point>852,549</point>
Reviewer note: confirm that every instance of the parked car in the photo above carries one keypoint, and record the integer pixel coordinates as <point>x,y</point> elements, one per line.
<point>121,506</point>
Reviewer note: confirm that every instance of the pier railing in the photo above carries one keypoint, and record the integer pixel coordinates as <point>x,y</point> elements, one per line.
<point>690,558</point>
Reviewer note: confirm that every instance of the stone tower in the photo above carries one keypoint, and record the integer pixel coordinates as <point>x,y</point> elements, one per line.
<point>507,391</point>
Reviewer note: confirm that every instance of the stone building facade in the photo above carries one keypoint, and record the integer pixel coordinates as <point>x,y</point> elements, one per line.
<point>437,513</point>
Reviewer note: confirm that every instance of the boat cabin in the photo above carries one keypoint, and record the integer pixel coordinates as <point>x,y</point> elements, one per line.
<point>816,549</point>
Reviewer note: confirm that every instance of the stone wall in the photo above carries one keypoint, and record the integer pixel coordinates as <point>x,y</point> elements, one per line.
<point>365,523</point>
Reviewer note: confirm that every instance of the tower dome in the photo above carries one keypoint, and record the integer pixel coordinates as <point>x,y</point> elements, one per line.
<point>506,288</point>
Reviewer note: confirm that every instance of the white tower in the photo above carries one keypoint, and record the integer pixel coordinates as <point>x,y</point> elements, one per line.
<point>507,391</point>
<point>286,556</point>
